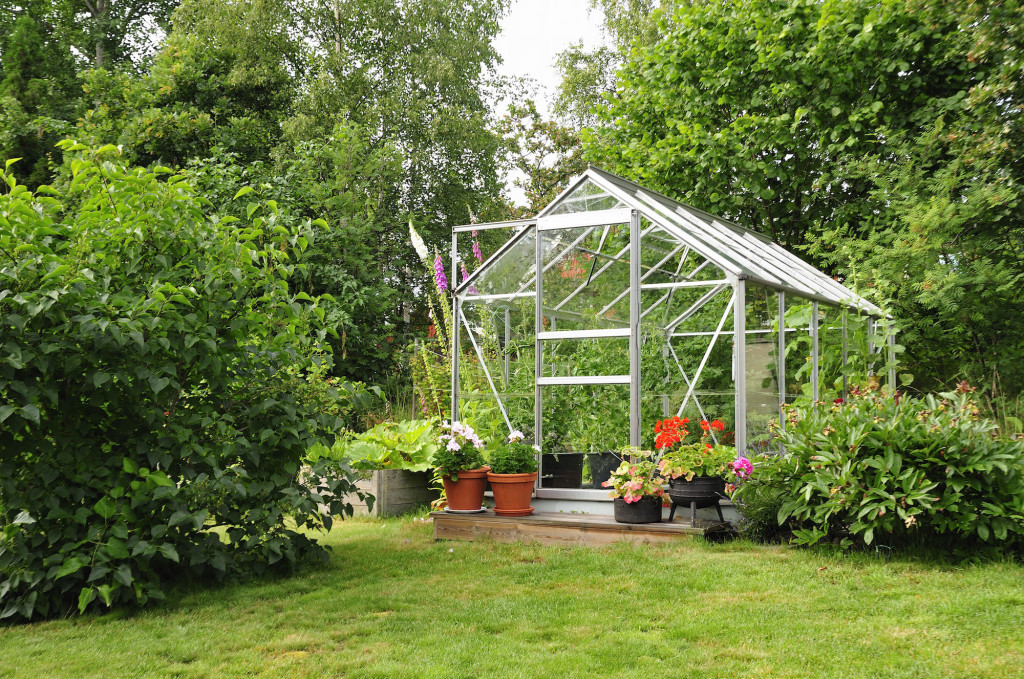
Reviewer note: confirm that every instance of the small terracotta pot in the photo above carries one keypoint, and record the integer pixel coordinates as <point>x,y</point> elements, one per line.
<point>512,493</point>
<point>466,494</point>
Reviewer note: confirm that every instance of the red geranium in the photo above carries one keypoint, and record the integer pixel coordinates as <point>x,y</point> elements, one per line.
<point>670,432</point>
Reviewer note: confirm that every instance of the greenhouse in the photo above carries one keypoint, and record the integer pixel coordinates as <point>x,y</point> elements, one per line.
<point>710,321</point>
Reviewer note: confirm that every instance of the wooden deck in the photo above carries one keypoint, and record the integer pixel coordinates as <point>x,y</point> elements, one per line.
<point>562,529</point>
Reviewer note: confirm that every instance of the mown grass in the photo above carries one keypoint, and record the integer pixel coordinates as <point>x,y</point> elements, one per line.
<point>393,603</point>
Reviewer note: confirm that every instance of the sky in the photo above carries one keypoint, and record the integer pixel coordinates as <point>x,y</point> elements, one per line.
<point>535,31</point>
<point>532,35</point>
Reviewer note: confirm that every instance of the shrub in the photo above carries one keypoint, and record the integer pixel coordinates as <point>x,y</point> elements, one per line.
<point>409,444</point>
<point>881,468</point>
<point>151,353</point>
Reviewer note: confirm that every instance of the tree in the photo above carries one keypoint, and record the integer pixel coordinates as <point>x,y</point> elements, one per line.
<point>846,128</point>
<point>37,93</point>
<point>545,154</point>
<point>588,75</point>
<point>158,391</point>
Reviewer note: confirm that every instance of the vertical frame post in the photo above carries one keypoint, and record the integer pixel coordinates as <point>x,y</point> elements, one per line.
<point>846,353</point>
<point>780,363</point>
<point>871,343</point>
<point>456,328</point>
<point>538,354</point>
<point>634,328</point>
<point>508,340</point>
<point>891,355</point>
<point>814,351</point>
<point>740,363</point>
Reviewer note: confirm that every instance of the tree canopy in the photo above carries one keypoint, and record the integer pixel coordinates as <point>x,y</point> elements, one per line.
<point>874,136</point>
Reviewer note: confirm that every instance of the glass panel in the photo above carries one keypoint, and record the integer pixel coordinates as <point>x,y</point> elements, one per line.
<point>830,349</point>
<point>798,348</point>
<point>475,247</point>
<point>599,356</point>
<point>587,197</point>
<point>503,332</point>
<point>512,272</point>
<point>762,388</point>
<point>587,285</point>
<point>584,428</point>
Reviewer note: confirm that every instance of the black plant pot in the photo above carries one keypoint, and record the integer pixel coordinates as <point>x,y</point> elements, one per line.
<point>702,491</point>
<point>645,510</point>
<point>601,467</point>
<point>706,491</point>
<point>564,472</point>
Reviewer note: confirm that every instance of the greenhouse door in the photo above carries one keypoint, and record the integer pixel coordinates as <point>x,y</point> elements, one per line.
<point>587,349</point>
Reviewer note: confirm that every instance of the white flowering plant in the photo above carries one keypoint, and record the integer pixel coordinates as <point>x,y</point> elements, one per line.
<point>514,456</point>
<point>459,449</point>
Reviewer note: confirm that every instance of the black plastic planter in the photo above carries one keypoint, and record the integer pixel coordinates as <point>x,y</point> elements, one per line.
<point>645,510</point>
<point>701,492</point>
<point>601,467</point>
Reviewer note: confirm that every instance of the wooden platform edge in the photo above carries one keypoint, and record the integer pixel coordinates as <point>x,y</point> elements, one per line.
<point>559,529</point>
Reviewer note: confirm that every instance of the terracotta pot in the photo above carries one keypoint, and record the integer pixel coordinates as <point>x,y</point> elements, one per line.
<point>512,493</point>
<point>645,510</point>
<point>466,494</point>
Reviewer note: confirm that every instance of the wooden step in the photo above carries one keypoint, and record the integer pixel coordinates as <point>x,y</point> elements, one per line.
<point>551,528</point>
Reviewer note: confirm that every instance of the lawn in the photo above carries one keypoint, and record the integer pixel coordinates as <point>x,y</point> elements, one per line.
<point>393,603</point>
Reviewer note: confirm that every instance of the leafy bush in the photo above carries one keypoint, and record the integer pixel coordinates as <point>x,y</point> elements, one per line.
<point>893,469</point>
<point>151,358</point>
<point>409,444</point>
<point>514,457</point>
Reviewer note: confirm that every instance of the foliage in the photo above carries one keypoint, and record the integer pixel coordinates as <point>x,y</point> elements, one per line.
<point>458,449</point>
<point>546,154</point>
<point>152,391</point>
<point>513,456</point>
<point>885,468</point>
<point>701,458</point>
<point>37,95</point>
<point>637,477</point>
<point>408,444</point>
<point>879,137</point>
<point>589,75</point>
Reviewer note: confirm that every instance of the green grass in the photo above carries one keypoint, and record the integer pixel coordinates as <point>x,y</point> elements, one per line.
<point>392,603</point>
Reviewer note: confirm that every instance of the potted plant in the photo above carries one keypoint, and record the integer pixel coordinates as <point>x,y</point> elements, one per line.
<point>637,487</point>
<point>512,476</point>
<point>460,460</point>
<point>696,472</point>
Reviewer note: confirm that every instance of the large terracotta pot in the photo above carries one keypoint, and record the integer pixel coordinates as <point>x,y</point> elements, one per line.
<point>466,494</point>
<point>512,493</point>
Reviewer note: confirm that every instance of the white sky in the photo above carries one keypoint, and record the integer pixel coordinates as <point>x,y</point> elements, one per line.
<point>535,31</point>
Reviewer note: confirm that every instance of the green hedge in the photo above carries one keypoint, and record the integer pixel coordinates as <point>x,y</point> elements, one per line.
<point>154,392</point>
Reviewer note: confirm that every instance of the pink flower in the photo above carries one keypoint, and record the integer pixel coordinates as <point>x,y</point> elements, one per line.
<point>476,252</point>
<point>439,277</point>
<point>742,467</point>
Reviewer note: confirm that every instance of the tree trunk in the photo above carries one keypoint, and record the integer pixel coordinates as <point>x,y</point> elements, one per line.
<point>101,10</point>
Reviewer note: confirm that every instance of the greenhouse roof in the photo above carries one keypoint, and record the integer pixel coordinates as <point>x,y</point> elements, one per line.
<point>737,251</point>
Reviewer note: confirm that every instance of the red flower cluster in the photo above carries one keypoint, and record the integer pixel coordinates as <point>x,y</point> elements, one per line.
<point>670,432</point>
<point>717,425</point>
